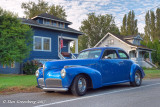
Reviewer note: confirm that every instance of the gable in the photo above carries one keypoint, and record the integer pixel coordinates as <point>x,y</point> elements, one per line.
<point>120,38</point>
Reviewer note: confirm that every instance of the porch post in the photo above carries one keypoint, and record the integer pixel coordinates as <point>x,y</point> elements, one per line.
<point>150,59</point>
<point>69,47</point>
<point>137,55</point>
<point>76,46</point>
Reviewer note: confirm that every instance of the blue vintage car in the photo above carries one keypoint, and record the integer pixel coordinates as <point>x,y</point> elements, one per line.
<point>93,68</point>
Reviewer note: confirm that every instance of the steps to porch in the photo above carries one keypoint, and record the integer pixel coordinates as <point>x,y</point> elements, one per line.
<point>66,55</point>
<point>145,63</point>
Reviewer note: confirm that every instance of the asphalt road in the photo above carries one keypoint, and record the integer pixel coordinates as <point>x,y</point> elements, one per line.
<point>122,95</point>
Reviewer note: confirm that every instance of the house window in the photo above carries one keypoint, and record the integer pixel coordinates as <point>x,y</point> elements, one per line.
<point>57,24</point>
<point>38,43</point>
<point>4,66</point>
<point>46,44</point>
<point>13,65</point>
<point>47,22</point>
<point>63,25</point>
<point>42,43</point>
<point>54,23</point>
<point>110,42</point>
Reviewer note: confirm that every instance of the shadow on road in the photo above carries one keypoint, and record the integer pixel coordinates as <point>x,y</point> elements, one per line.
<point>90,91</point>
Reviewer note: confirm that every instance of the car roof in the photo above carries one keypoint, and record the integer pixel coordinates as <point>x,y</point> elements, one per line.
<point>103,48</point>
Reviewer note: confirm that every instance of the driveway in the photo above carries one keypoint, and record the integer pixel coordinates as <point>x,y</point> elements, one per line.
<point>121,95</point>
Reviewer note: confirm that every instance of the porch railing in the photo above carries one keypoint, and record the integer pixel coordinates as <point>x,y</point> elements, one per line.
<point>60,56</point>
<point>73,56</point>
<point>151,64</point>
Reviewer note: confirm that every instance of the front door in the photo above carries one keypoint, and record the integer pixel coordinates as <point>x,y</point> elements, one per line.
<point>125,65</point>
<point>110,66</point>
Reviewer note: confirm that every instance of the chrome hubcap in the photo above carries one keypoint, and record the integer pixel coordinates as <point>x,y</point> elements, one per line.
<point>82,84</point>
<point>137,78</point>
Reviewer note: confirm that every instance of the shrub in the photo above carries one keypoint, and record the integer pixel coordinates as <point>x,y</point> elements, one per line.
<point>30,67</point>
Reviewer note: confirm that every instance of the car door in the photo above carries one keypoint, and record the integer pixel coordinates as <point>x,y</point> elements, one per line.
<point>110,66</point>
<point>124,65</point>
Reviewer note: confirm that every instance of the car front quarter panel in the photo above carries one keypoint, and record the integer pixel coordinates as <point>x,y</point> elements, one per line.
<point>134,68</point>
<point>72,72</point>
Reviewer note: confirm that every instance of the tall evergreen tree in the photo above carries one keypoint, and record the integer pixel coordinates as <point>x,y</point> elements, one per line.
<point>147,30</point>
<point>158,23</point>
<point>129,26</point>
<point>32,9</point>
<point>152,25</point>
<point>129,23</point>
<point>124,26</point>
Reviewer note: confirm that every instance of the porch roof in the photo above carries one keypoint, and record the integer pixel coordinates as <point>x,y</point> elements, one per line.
<point>144,48</point>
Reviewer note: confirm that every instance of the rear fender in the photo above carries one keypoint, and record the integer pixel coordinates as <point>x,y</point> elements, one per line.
<point>134,68</point>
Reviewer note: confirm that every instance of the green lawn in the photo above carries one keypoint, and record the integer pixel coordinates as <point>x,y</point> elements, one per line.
<point>23,81</point>
<point>151,74</point>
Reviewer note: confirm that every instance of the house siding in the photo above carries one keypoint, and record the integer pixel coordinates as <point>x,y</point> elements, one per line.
<point>53,54</point>
<point>9,70</point>
<point>117,43</point>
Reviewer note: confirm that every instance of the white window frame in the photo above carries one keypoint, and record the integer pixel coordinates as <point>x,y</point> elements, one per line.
<point>42,42</point>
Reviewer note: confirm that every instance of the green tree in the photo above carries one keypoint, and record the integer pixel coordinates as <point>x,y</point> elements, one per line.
<point>124,26</point>
<point>57,11</point>
<point>15,38</point>
<point>129,25</point>
<point>152,25</point>
<point>32,9</point>
<point>158,23</point>
<point>94,28</point>
<point>147,27</point>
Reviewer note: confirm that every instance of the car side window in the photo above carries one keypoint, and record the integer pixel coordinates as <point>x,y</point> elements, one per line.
<point>123,54</point>
<point>110,54</point>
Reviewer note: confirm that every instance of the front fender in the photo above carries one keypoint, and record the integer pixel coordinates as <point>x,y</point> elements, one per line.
<point>95,75</point>
<point>40,70</point>
<point>134,68</point>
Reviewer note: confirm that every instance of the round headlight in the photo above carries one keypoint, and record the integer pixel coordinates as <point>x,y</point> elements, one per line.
<point>37,73</point>
<point>63,73</point>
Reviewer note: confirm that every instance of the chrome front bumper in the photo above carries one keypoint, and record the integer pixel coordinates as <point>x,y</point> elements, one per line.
<point>56,89</point>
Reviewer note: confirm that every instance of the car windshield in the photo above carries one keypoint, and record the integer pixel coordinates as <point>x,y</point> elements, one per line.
<point>90,54</point>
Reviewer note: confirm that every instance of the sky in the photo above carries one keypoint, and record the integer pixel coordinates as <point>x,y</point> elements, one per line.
<point>77,10</point>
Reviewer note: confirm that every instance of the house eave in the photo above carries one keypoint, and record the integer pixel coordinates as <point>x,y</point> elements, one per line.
<point>52,19</point>
<point>147,49</point>
<point>47,27</point>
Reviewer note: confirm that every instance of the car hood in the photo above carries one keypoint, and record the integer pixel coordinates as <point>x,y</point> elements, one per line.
<point>61,63</point>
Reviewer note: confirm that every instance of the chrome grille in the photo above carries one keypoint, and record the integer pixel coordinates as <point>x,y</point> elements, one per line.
<point>51,83</point>
<point>41,82</point>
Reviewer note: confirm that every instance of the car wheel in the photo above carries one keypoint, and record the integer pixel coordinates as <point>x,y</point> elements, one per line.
<point>79,85</point>
<point>137,79</point>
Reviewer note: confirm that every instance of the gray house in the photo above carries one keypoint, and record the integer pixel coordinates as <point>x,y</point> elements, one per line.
<point>131,44</point>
